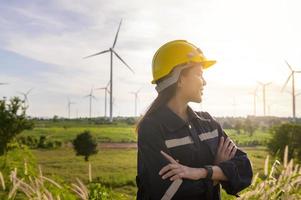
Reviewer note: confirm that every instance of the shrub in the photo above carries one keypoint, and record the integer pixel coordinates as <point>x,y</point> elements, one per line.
<point>85,144</point>
<point>286,134</point>
<point>13,121</point>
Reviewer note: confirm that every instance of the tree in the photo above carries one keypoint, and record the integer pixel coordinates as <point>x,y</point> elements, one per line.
<point>249,126</point>
<point>238,126</point>
<point>85,145</point>
<point>286,134</point>
<point>13,121</point>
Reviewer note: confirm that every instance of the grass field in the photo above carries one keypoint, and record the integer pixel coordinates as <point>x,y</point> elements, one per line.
<point>115,168</point>
<point>103,133</point>
<point>122,133</point>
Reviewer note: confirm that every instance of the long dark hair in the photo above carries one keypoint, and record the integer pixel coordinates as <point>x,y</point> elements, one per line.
<point>162,98</point>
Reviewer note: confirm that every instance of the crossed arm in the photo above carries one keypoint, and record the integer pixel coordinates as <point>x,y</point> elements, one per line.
<point>175,170</point>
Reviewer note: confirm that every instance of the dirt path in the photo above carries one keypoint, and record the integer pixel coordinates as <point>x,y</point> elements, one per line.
<point>118,145</point>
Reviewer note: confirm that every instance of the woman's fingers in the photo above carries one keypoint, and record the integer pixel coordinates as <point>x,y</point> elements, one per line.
<point>171,173</point>
<point>177,176</point>
<point>221,144</point>
<point>225,145</point>
<point>229,148</point>
<point>167,167</point>
<point>168,157</point>
<point>233,152</point>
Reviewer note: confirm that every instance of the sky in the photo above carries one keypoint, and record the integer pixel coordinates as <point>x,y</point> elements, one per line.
<point>42,45</point>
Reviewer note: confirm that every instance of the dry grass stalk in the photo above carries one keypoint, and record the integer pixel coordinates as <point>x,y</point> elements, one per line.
<point>266,166</point>
<point>285,157</point>
<point>2,181</point>
<point>90,173</point>
<point>282,183</point>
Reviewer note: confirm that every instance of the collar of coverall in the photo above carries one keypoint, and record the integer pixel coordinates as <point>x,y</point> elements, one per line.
<point>172,121</point>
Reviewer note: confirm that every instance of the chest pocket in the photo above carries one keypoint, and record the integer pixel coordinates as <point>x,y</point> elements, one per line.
<point>182,149</point>
<point>211,139</point>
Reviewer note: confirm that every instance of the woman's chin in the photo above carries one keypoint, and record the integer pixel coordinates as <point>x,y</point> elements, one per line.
<point>197,100</point>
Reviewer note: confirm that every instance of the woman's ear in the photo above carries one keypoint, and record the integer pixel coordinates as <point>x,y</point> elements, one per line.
<point>182,79</point>
<point>180,82</point>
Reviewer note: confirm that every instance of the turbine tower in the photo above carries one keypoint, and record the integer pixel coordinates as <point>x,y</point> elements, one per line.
<point>90,95</point>
<point>69,107</point>
<point>136,98</point>
<point>292,75</point>
<point>106,89</point>
<point>112,51</point>
<point>263,94</point>
<point>254,94</point>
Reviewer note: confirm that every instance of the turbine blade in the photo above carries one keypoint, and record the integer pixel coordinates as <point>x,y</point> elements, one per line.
<point>3,83</point>
<point>298,71</point>
<point>116,36</point>
<point>289,65</point>
<point>29,91</point>
<point>286,82</point>
<point>108,84</point>
<point>102,88</point>
<point>139,90</point>
<point>105,51</point>
<point>268,83</point>
<point>123,62</point>
<point>260,83</point>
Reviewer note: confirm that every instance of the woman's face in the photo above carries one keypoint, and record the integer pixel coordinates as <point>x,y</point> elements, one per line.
<point>191,84</point>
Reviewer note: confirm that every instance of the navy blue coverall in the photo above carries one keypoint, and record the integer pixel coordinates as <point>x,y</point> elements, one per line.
<point>194,143</point>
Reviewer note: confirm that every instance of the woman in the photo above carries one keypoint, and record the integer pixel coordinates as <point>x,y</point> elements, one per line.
<point>184,154</point>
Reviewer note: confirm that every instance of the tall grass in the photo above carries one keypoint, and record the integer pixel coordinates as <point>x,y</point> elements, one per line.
<point>283,181</point>
<point>40,187</point>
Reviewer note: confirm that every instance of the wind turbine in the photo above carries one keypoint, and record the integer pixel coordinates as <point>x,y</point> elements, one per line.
<point>293,87</point>
<point>263,94</point>
<point>69,107</point>
<point>136,98</point>
<point>254,94</point>
<point>26,96</point>
<point>106,89</point>
<point>234,104</point>
<point>270,108</point>
<point>90,95</point>
<point>112,51</point>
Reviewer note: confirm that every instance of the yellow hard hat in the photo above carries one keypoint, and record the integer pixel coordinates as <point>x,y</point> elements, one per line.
<point>174,53</point>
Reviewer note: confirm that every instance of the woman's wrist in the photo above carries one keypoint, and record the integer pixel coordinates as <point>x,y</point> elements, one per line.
<point>203,173</point>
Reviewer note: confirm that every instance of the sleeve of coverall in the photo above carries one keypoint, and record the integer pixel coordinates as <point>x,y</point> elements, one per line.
<point>150,142</point>
<point>238,170</point>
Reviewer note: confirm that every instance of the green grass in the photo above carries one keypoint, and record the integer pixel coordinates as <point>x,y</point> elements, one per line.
<point>103,133</point>
<point>259,138</point>
<point>115,168</point>
<point>66,132</point>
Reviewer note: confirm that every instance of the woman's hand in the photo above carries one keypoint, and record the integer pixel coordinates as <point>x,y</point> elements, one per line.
<point>226,150</point>
<point>175,170</point>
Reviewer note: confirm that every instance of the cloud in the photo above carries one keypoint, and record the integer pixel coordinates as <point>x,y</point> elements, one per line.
<point>250,43</point>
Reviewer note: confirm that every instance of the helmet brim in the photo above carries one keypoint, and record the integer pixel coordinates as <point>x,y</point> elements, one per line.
<point>206,64</point>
